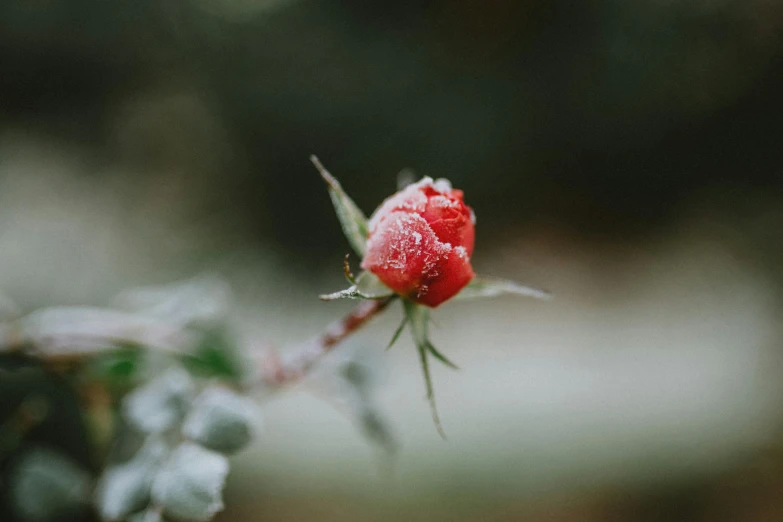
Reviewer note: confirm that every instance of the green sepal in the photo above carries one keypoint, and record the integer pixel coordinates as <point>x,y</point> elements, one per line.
<point>430,391</point>
<point>492,287</point>
<point>366,286</point>
<point>398,331</point>
<point>439,356</point>
<point>352,219</point>
<point>418,317</point>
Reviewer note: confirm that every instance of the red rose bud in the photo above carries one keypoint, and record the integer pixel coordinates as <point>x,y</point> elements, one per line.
<point>420,242</point>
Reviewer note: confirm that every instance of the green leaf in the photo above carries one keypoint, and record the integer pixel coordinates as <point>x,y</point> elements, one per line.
<point>221,420</point>
<point>117,369</point>
<point>190,485</point>
<point>352,219</point>
<point>492,287</point>
<point>216,356</point>
<point>367,286</point>
<point>430,390</point>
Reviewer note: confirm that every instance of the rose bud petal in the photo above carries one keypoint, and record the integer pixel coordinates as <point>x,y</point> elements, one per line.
<point>420,242</point>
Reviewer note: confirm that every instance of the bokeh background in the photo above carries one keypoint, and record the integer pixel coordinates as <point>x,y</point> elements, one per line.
<point>624,155</point>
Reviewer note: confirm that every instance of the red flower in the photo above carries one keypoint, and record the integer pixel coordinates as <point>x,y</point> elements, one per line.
<point>420,242</point>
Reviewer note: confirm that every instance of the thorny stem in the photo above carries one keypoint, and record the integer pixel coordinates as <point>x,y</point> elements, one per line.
<point>279,372</point>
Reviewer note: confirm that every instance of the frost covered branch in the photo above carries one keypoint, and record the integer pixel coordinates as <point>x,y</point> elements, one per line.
<point>293,368</point>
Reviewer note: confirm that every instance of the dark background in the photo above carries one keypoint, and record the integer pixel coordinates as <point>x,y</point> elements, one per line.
<point>607,117</point>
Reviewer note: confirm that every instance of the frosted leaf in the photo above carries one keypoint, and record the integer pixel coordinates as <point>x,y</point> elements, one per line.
<point>222,420</point>
<point>160,404</point>
<point>492,287</point>
<point>204,299</point>
<point>150,515</point>
<point>46,485</point>
<point>367,286</point>
<point>63,331</point>
<point>125,488</point>
<point>352,219</point>
<point>190,485</point>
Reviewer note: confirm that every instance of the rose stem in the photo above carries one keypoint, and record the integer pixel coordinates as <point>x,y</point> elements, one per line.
<point>284,372</point>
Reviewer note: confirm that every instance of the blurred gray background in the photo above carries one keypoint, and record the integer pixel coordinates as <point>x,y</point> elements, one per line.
<point>624,155</point>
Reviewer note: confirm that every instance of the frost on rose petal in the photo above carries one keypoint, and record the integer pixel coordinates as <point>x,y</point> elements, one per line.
<point>442,185</point>
<point>420,242</point>
<point>410,199</point>
<point>405,248</point>
<point>413,261</point>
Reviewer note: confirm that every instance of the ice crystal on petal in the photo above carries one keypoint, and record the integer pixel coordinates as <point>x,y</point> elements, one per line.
<point>410,199</point>
<point>411,237</point>
<point>442,185</point>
